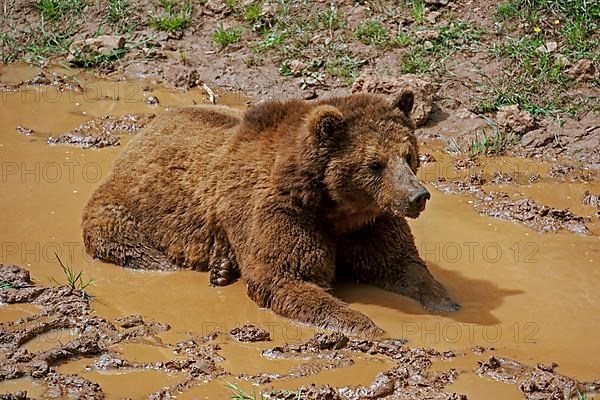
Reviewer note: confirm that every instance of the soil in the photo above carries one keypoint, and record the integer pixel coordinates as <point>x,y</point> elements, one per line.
<point>536,383</point>
<point>250,333</point>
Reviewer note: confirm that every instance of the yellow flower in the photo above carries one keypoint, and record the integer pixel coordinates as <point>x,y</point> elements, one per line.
<point>556,22</point>
<point>537,29</point>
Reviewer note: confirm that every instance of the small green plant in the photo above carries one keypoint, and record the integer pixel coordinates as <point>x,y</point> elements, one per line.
<point>331,19</point>
<point>372,33</point>
<point>238,394</point>
<point>226,36</point>
<point>117,10</point>
<point>74,279</point>
<point>505,11</point>
<point>414,61</point>
<point>495,144</point>
<point>272,39</point>
<point>53,10</point>
<point>418,11</point>
<point>345,68</point>
<point>171,19</point>
<point>5,285</point>
<point>253,13</point>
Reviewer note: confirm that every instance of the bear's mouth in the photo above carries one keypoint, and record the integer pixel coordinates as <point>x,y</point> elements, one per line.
<point>412,211</point>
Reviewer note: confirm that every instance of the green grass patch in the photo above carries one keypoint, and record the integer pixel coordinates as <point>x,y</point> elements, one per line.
<point>372,33</point>
<point>573,23</point>
<point>418,11</point>
<point>54,10</point>
<point>345,68</point>
<point>492,144</point>
<point>226,36</point>
<point>172,18</point>
<point>271,39</point>
<point>331,19</point>
<point>416,60</point>
<point>118,10</point>
<point>253,13</point>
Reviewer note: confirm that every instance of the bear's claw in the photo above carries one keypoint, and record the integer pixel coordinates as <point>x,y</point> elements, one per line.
<point>223,272</point>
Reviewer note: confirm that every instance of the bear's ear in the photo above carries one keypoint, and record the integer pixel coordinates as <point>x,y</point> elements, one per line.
<point>324,121</point>
<point>404,101</point>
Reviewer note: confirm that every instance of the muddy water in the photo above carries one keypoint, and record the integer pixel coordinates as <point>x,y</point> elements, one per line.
<point>531,296</point>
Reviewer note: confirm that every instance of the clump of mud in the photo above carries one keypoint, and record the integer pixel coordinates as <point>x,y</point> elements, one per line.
<point>527,211</point>
<point>593,200</point>
<point>103,131</point>
<point>539,383</point>
<point>46,78</point>
<point>411,378</point>
<point>250,333</point>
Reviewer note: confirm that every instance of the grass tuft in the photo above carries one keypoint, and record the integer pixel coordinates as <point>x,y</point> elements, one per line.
<point>5,285</point>
<point>418,11</point>
<point>372,33</point>
<point>53,10</point>
<point>74,279</point>
<point>171,19</point>
<point>226,36</point>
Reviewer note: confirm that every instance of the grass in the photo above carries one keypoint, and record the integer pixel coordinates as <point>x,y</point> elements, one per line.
<point>74,279</point>
<point>372,33</point>
<point>494,144</point>
<point>172,19</point>
<point>118,10</point>
<point>226,36</point>
<point>5,285</point>
<point>345,67</point>
<point>253,14</point>
<point>53,10</point>
<point>271,39</point>
<point>535,79</point>
<point>331,19</point>
<point>238,394</point>
<point>418,11</point>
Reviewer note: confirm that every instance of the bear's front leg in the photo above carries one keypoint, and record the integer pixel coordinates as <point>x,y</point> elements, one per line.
<point>288,269</point>
<point>384,254</point>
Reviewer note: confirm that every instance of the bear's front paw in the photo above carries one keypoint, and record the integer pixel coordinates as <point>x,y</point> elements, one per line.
<point>354,323</point>
<point>440,304</point>
<point>223,273</point>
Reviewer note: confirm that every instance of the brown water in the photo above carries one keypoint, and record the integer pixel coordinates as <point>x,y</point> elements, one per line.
<point>534,297</point>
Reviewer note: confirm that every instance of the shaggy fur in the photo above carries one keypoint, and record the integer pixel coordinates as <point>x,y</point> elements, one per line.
<point>289,194</point>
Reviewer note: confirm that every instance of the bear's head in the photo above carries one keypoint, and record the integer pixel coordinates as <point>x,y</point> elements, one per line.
<point>371,155</point>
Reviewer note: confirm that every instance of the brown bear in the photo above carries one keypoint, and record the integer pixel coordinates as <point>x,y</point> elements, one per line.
<point>291,195</point>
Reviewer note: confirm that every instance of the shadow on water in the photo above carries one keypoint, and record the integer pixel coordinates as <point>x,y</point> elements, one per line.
<point>478,298</point>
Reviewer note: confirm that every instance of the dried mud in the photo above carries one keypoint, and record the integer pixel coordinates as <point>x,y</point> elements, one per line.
<point>67,308</point>
<point>197,359</point>
<point>501,205</point>
<point>539,383</point>
<point>104,131</point>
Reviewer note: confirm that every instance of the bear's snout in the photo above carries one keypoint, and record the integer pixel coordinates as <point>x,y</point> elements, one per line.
<point>418,197</point>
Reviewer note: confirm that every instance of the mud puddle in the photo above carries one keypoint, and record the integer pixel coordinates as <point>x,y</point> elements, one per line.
<point>531,296</point>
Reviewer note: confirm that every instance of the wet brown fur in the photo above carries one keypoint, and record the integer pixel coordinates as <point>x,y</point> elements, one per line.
<point>284,192</point>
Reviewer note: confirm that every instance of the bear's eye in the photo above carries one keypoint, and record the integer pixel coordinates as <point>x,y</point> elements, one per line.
<point>376,166</point>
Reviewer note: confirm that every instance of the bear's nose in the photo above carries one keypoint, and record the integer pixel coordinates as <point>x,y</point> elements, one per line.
<point>418,197</point>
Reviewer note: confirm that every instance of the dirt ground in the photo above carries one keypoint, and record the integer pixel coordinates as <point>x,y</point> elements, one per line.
<point>507,111</point>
